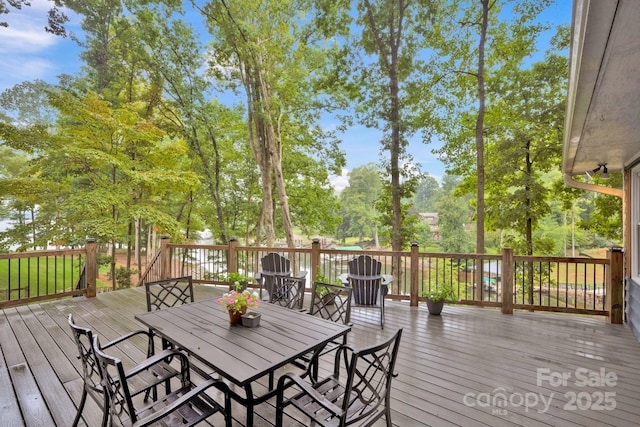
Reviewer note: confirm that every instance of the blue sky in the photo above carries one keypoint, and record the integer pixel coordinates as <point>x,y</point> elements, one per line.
<point>27,52</point>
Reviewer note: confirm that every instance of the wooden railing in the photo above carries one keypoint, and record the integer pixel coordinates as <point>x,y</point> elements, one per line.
<point>27,277</point>
<point>573,285</point>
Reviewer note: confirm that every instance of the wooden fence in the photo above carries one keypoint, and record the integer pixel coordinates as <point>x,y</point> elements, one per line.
<point>34,276</point>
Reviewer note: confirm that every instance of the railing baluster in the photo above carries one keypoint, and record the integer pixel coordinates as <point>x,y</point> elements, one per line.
<point>577,284</point>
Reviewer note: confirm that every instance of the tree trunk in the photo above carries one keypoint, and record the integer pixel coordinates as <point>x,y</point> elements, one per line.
<point>529,220</point>
<point>274,149</point>
<point>257,140</point>
<point>138,250</point>
<point>573,229</point>
<point>213,178</point>
<point>480,148</point>
<point>564,234</point>
<point>396,191</point>
<point>389,55</point>
<point>113,265</point>
<point>33,228</point>
<point>129,245</point>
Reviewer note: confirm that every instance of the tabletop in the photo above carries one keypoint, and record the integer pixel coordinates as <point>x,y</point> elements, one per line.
<point>238,353</point>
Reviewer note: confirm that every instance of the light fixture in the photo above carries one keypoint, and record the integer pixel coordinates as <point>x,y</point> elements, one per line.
<point>605,172</point>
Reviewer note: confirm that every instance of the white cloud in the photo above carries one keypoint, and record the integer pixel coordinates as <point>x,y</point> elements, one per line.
<point>25,33</point>
<point>28,52</point>
<point>18,69</point>
<point>339,183</point>
<point>25,40</point>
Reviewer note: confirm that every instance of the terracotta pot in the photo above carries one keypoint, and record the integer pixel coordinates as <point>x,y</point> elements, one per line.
<point>234,317</point>
<point>329,299</point>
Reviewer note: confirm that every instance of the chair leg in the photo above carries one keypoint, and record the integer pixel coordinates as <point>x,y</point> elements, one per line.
<point>313,370</point>
<point>105,412</point>
<point>83,399</point>
<point>279,409</point>
<point>228,418</point>
<point>387,416</point>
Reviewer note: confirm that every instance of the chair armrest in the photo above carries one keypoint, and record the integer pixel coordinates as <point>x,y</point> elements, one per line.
<point>387,279</point>
<point>158,358</point>
<point>187,397</point>
<point>344,277</point>
<point>294,379</point>
<point>301,281</point>
<point>118,340</point>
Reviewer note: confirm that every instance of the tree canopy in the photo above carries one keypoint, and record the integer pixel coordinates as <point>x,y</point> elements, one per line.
<point>234,127</point>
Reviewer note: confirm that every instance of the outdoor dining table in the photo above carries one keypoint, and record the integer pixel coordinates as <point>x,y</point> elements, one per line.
<point>241,354</point>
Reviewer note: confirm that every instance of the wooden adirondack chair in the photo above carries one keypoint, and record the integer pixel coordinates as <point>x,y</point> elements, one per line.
<point>369,286</point>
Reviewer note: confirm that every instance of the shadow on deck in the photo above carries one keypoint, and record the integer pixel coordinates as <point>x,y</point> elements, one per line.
<point>468,367</point>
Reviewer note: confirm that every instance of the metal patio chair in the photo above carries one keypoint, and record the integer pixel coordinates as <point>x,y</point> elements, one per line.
<point>169,292</point>
<point>362,398</point>
<point>330,302</point>
<point>146,378</point>
<point>288,291</point>
<point>186,406</point>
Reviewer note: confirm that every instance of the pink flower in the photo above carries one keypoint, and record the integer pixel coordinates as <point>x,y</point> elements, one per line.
<point>236,301</point>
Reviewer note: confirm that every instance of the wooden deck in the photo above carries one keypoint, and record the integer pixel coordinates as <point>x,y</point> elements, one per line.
<point>468,367</point>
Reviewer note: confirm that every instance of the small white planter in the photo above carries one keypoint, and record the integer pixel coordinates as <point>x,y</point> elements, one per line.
<point>251,319</point>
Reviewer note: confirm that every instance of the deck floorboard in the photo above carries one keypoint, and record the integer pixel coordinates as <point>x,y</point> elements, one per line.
<point>452,368</point>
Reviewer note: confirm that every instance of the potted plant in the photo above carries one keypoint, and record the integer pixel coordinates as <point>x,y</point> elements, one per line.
<point>437,296</point>
<point>238,281</point>
<point>236,303</point>
<point>323,291</point>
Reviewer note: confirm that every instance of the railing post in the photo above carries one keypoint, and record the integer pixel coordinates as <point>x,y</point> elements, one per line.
<point>413,278</point>
<point>232,263</point>
<point>507,281</point>
<point>315,258</point>
<point>91,267</point>
<point>615,284</point>
<point>165,257</point>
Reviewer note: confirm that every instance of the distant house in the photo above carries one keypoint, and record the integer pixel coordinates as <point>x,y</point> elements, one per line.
<point>602,129</point>
<point>432,219</point>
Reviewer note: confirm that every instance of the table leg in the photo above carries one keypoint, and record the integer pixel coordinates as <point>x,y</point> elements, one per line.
<point>249,404</point>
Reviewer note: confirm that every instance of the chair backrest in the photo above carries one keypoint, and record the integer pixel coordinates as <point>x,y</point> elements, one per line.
<point>169,292</point>
<point>365,279</point>
<point>368,385</point>
<point>90,371</point>
<point>116,387</point>
<point>275,263</point>
<point>287,291</point>
<point>331,302</point>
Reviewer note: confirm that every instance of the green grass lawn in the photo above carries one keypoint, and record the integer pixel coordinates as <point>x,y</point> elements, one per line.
<point>42,275</point>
